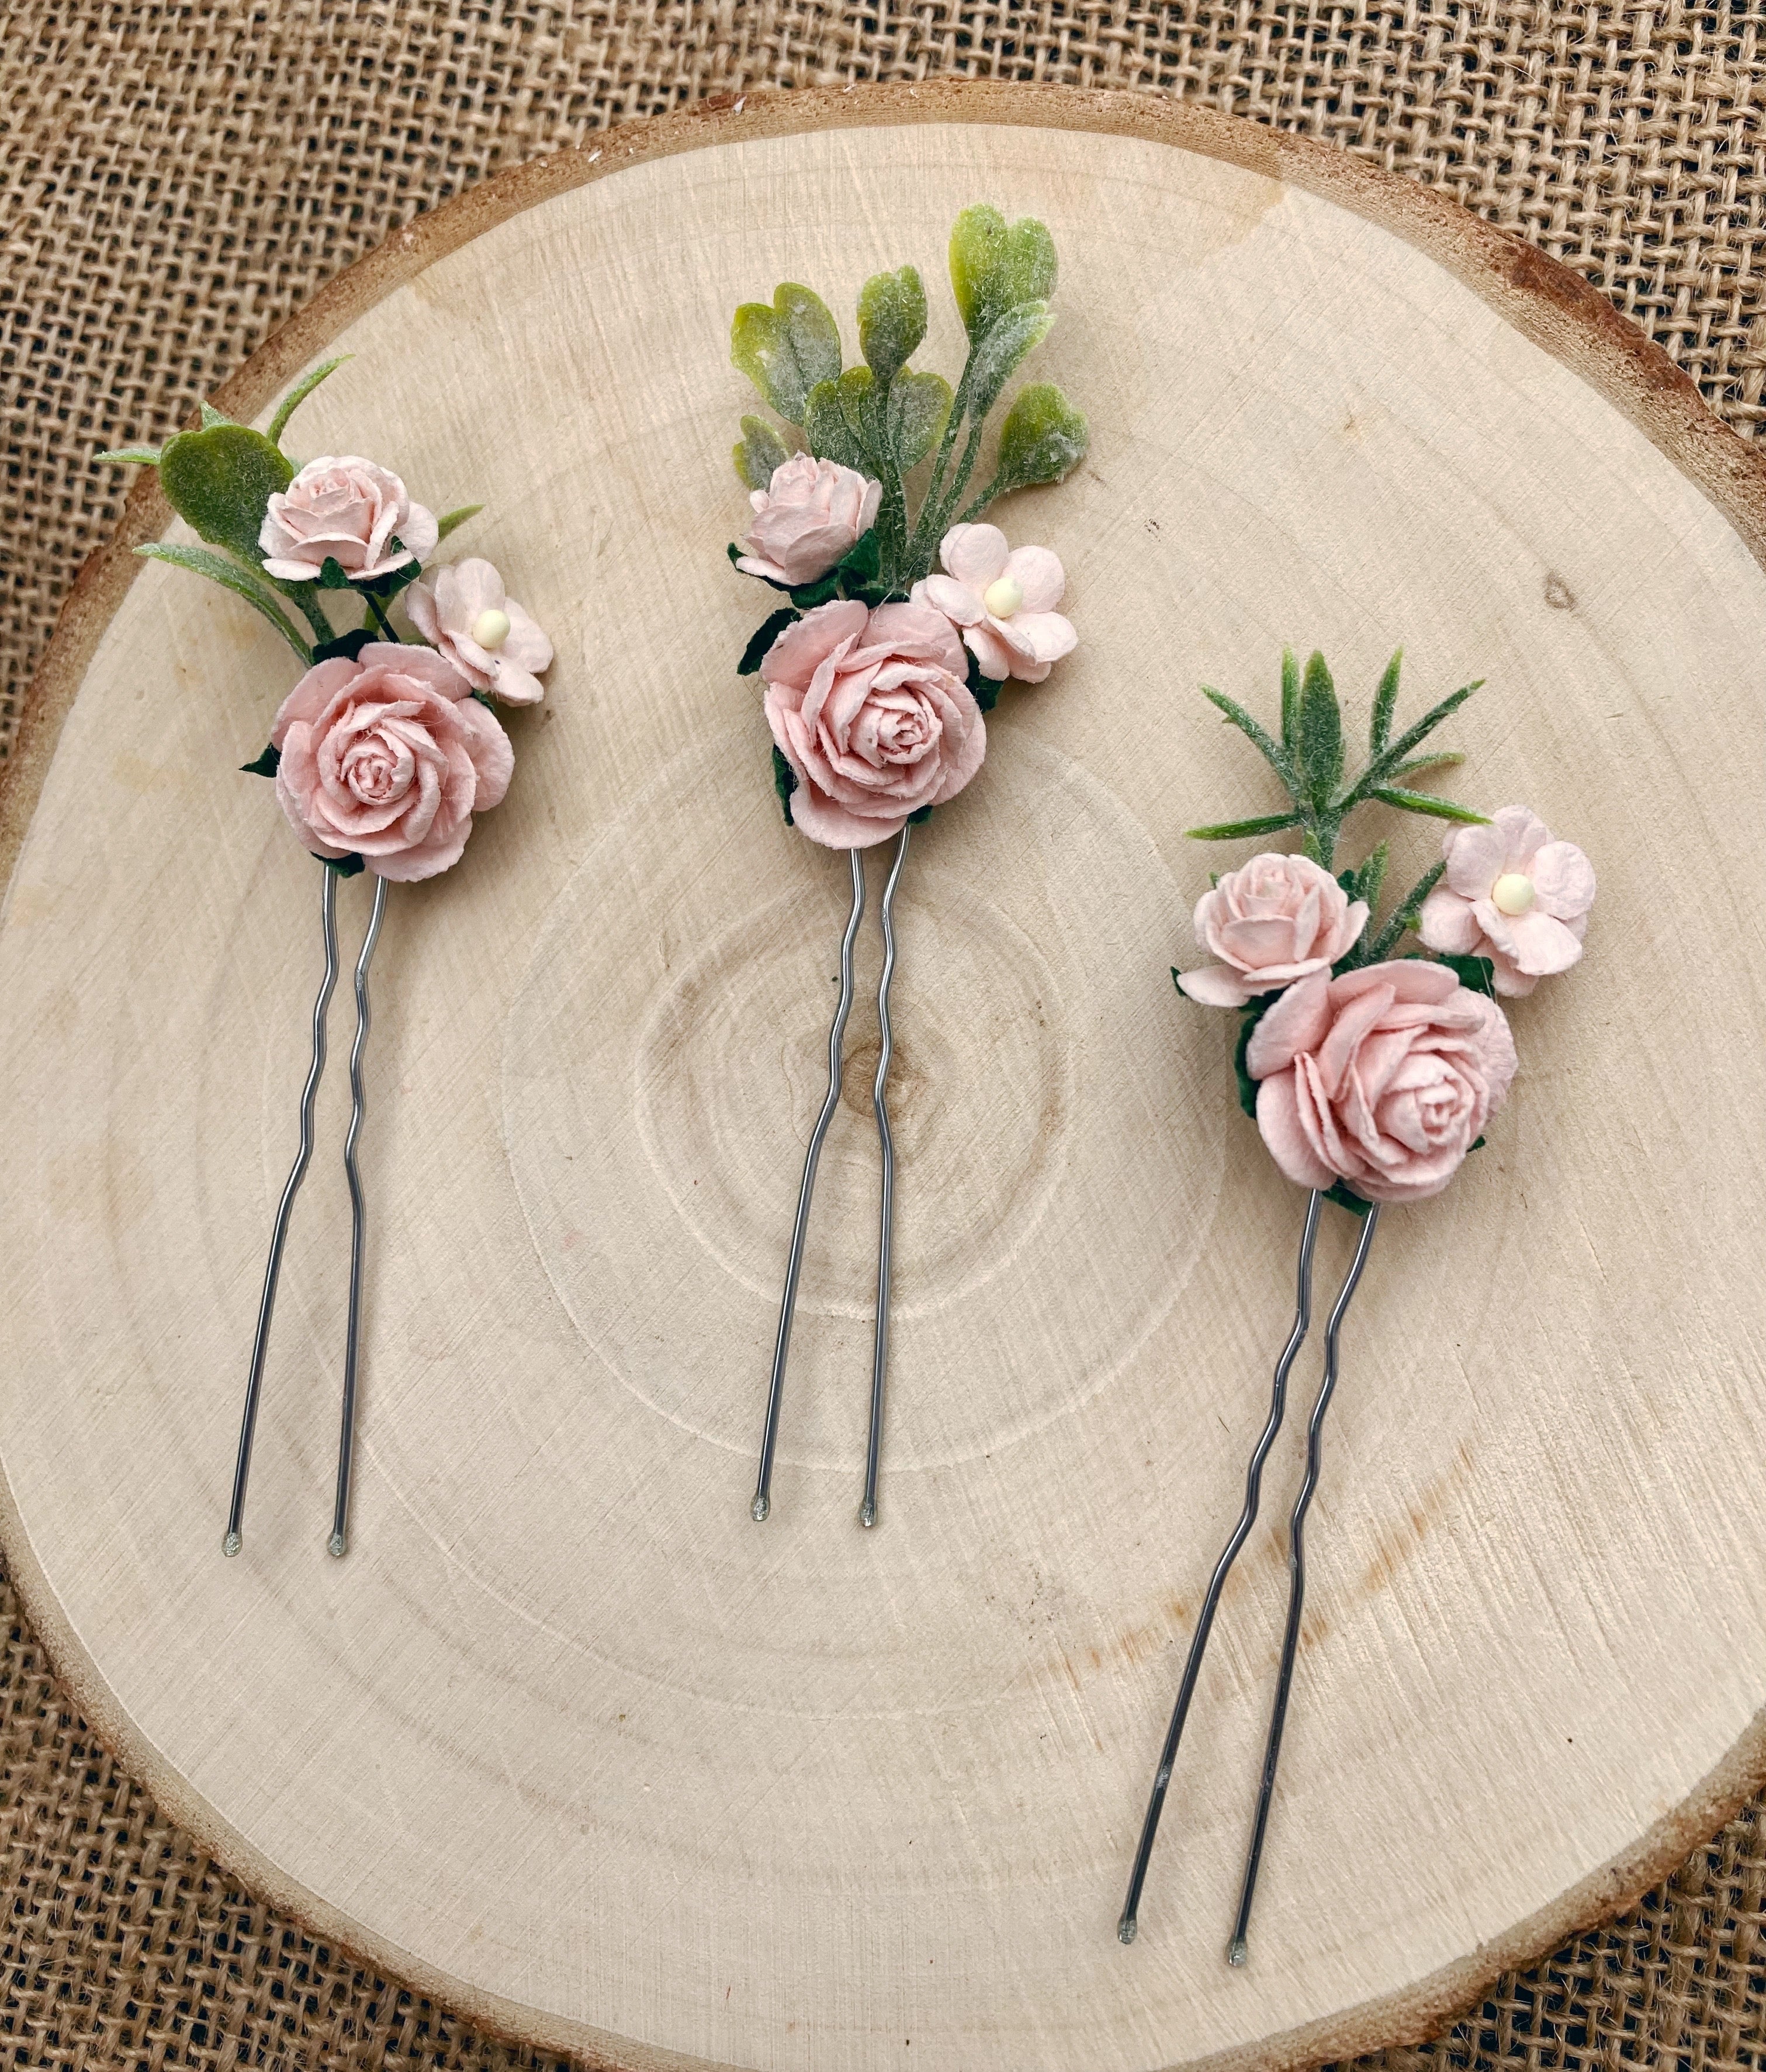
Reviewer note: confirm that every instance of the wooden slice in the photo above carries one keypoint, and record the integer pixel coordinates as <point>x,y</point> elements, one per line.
<point>567,1740</point>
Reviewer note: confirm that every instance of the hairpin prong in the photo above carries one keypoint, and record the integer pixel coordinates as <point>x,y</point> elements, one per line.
<point>1291,1639</point>
<point>254,1383</point>
<point>879,1360</point>
<point>1128,1926</point>
<point>769,1438</point>
<point>346,1438</point>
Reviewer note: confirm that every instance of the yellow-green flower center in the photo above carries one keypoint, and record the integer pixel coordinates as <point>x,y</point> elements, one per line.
<point>1512,894</point>
<point>491,629</point>
<point>1004,596</point>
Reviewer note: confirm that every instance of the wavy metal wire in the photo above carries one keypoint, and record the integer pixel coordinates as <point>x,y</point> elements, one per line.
<point>769,1440</point>
<point>879,1360</point>
<point>254,1383</point>
<point>339,1542</point>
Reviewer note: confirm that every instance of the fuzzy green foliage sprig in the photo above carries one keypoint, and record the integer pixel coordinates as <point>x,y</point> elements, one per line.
<point>888,419</point>
<point>219,477</point>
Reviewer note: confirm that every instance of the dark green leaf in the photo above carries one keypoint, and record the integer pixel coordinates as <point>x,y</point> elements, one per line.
<point>1044,438</point>
<point>891,320</point>
<point>1273,755</point>
<point>265,765</point>
<point>788,350</point>
<point>331,575</point>
<point>1253,1013</point>
<point>220,482</point>
<point>1476,974</point>
<point>754,653</point>
<point>1235,830</point>
<point>1426,802</point>
<point>862,562</point>
<point>735,552</point>
<point>298,394</point>
<point>918,819</point>
<point>759,454</point>
<point>918,409</point>
<point>1318,733</point>
<point>347,645</point>
<point>1338,1192</point>
<point>241,581</point>
<point>444,526</point>
<point>984,690</point>
<point>785,782</point>
<point>345,867</point>
<point>807,596</point>
<point>1385,701</point>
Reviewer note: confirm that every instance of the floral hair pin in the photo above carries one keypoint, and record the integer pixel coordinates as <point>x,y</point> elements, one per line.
<point>1370,1074</point>
<point>904,615</point>
<point>380,754</point>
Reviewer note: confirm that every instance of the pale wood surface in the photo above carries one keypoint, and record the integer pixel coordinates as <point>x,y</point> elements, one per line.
<point>567,1736</point>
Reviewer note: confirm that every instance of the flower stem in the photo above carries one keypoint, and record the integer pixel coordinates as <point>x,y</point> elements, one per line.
<point>378,617</point>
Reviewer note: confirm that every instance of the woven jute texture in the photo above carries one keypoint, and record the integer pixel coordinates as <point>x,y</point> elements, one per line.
<point>177,179</point>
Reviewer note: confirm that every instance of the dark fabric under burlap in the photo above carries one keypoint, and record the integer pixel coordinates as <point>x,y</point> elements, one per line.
<point>176,179</point>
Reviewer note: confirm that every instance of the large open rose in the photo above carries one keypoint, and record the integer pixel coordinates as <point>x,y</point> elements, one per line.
<point>1274,919</point>
<point>871,711</point>
<point>387,758</point>
<point>1384,1078</point>
<point>343,509</point>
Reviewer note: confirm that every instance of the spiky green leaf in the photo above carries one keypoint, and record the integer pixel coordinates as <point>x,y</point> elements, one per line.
<point>1386,764</point>
<point>298,394</point>
<point>787,351</point>
<point>1403,918</point>
<point>1318,733</point>
<point>444,526</point>
<point>1426,802</point>
<point>1271,751</point>
<point>242,583</point>
<point>1268,824</point>
<point>1290,697</point>
<point>1385,701</point>
<point>210,417</point>
<point>130,456</point>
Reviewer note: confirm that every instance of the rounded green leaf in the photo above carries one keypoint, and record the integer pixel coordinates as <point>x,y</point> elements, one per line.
<point>994,268</point>
<point>1044,438</point>
<point>828,429</point>
<point>787,350</point>
<point>220,481</point>
<point>996,356</point>
<point>891,320</point>
<point>759,453</point>
<point>919,406</point>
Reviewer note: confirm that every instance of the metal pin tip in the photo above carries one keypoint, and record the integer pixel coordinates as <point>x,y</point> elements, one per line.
<point>1127,1928</point>
<point>1236,1950</point>
<point>759,1509</point>
<point>230,1545</point>
<point>867,1514</point>
<point>336,1544</point>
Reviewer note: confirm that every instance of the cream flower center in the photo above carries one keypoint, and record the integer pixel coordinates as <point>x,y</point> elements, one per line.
<point>1004,596</point>
<point>1512,894</point>
<point>491,629</point>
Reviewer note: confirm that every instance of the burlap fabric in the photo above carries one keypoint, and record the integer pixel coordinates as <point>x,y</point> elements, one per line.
<point>177,179</point>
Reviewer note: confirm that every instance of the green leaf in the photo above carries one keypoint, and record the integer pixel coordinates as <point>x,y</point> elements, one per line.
<point>1238,717</point>
<point>759,454</point>
<point>1043,439</point>
<point>1318,733</point>
<point>265,765</point>
<point>829,430</point>
<point>1290,697</point>
<point>347,645</point>
<point>220,482</point>
<point>764,634</point>
<point>242,583</point>
<point>1268,824</point>
<point>444,526</point>
<point>1338,1192</point>
<point>993,270</point>
<point>891,320</point>
<point>131,457</point>
<point>863,560</point>
<point>1440,759</point>
<point>996,356</point>
<point>788,350</point>
<point>984,690</point>
<point>1404,917</point>
<point>298,394</point>
<point>345,867</point>
<point>1385,701</point>
<point>331,574</point>
<point>919,819</point>
<point>856,389</point>
<point>1426,802</point>
<point>784,783</point>
<point>1371,876</point>
<point>1387,763</point>
<point>1251,1014</point>
<point>1476,974</point>
<point>210,417</point>
<point>919,410</point>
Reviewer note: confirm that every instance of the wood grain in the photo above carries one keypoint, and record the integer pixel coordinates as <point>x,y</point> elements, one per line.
<point>567,1740</point>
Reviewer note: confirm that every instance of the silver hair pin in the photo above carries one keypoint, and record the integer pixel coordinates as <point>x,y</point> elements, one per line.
<point>762,1505</point>
<point>266,1307</point>
<point>1128,1926</point>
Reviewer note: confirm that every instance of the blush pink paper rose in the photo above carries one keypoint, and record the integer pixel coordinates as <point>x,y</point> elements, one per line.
<point>388,758</point>
<point>349,510</point>
<point>1383,1079</point>
<point>871,711</point>
<point>811,515</point>
<point>1003,599</point>
<point>1274,920</point>
<point>464,611</point>
<point>1512,894</point>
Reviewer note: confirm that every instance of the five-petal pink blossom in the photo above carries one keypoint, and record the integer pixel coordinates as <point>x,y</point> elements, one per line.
<point>811,515</point>
<point>1274,919</point>
<point>1512,894</point>
<point>465,612</point>
<point>871,710</point>
<point>343,509</point>
<point>1003,599</point>
<point>1384,1078</point>
<point>388,758</point>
